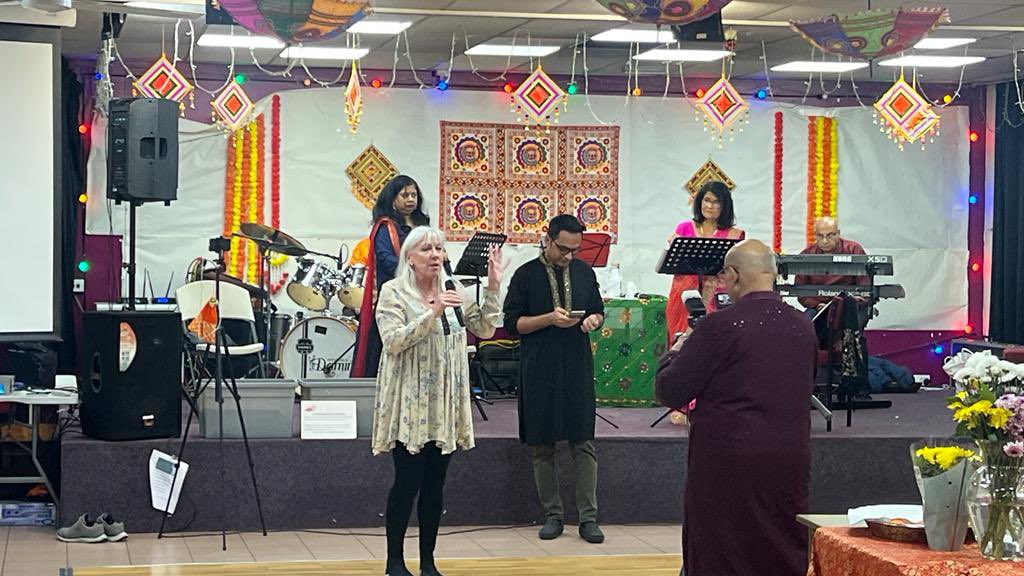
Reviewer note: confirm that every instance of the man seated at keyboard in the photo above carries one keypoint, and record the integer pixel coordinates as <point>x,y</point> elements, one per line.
<point>827,240</point>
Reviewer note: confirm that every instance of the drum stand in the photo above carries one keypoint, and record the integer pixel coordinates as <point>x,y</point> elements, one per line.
<point>219,384</point>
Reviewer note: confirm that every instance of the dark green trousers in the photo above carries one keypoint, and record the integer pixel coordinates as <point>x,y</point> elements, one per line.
<point>584,460</point>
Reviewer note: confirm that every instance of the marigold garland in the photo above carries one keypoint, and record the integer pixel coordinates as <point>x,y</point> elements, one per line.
<point>777,187</point>
<point>252,258</point>
<point>236,202</point>
<point>822,170</point>
<point>229,188</point>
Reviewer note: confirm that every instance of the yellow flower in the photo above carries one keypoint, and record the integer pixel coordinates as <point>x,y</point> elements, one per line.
<point>962,395</point>
<point>998,417</point>
<point>945,457</point>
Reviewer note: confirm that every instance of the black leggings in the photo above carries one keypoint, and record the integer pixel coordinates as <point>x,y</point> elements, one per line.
<point>422,473</point>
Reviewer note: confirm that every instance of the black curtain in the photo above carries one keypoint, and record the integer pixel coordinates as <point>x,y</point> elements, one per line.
<point>1007,318</point>
<point>73,175</point>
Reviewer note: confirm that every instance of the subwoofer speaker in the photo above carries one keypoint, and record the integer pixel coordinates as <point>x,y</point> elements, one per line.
<point>131,385</point>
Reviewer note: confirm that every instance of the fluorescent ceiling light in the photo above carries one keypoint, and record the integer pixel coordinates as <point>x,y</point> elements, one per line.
<point>630,35</point>
<point>219,40</point>
<point>933,61</point>
<point>168,7</point>
<point>943,43</point>
<point>323,53</point>
<point>682,55</point>
<point>509,50</point>
<point>819,66</point>
<point>383,27</point>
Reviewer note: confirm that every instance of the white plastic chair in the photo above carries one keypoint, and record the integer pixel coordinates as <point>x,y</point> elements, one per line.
<point>234,305</point>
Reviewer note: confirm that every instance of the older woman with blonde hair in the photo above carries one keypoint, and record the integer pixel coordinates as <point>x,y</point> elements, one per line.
<point>423,410</point>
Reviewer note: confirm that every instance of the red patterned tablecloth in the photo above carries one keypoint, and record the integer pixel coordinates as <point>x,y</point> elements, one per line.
<point>854,552</point>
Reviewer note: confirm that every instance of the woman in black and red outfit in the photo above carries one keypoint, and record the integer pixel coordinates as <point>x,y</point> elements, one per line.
<point>398,210</point>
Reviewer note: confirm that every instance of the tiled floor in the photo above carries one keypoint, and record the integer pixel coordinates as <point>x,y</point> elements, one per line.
<point>32,551</point>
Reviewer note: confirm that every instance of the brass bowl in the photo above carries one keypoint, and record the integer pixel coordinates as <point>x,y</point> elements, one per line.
<point>897,531</point>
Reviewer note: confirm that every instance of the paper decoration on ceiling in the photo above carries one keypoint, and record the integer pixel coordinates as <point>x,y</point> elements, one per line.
<point>674,12</point>
<point>873,33</point>
<point>232,107</point>
<point>369,173</point>
<point>822,170</point>
<point>906,115</point>
<point>293,22</point>
<point>709,172</point>
<point>722,105</point>
<point>353,100</point>
<point>537,99</point>
<point>162,80</point>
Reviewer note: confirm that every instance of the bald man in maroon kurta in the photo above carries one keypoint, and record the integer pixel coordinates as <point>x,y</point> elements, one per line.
<point>751,369</point>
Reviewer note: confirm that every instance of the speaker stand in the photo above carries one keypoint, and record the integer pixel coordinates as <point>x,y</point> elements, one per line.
<point>132,206</point>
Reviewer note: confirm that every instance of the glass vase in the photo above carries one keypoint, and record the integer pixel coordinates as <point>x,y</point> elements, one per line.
<point>996,504</point>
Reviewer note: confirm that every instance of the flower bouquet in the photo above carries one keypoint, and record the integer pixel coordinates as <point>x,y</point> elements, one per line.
<point>942,469</point>
<point>988,407</point>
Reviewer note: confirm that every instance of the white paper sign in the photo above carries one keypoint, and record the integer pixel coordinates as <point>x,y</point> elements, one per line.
<point>161,473</point>
<point>328,420</point>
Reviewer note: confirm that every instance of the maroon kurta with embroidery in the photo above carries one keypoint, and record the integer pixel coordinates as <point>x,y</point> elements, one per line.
<point>751,369</point>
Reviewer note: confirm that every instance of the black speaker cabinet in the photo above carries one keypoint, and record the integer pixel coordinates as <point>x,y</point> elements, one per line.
<point>131,385</point>
<point>142,150</point>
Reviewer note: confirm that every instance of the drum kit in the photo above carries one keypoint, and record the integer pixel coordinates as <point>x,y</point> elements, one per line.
<point>314,345</point>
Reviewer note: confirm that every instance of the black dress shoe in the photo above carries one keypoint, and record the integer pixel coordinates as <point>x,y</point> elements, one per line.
<point>430,570</point>
<point>590,532</point>
<point>397,568</point>
<point>551,529</point>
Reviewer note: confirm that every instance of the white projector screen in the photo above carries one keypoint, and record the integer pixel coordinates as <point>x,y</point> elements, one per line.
<point>30,169</point>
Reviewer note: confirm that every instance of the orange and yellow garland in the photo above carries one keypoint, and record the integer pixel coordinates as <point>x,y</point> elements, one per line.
<point>244,197</point>
<point>822,170</point>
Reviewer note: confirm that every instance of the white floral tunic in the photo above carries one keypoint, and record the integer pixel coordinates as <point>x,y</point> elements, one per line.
<point>423,382</point>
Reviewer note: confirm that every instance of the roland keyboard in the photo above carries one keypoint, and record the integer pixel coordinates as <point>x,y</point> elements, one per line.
<point>880,292</point>
<point>835,265</point>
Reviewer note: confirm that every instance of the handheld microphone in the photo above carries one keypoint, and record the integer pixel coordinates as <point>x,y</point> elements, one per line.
<point>694,306</point>
<point>449,284</point>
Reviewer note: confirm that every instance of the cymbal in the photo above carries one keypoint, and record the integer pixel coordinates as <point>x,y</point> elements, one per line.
<point>277,240</point>
<point>254,291</point>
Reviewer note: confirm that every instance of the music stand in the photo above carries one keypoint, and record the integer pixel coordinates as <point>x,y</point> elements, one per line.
<point>693,256</point>
<point>474,263</point>
<point>595,248</point>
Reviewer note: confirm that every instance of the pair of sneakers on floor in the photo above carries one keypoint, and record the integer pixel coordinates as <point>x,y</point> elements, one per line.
<point>83,530</point>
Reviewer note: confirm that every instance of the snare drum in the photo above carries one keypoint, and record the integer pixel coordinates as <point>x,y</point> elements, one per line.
<point>350,294</point>
<point>320,348</point>
<point>313,285</point>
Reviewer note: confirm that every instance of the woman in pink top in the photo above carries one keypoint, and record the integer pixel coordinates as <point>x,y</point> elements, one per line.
<point>713,217</point>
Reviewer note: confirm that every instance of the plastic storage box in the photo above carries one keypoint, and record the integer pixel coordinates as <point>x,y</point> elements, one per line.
<point>267,406</point>
<point>361,390</point>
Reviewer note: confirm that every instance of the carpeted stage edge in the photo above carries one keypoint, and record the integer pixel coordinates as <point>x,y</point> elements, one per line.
<point>325,484</point>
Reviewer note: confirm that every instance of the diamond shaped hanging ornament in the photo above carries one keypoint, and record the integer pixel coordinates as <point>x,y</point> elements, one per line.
<point>232,107</point>
<point>906,115</point>
<point>162,80</point>
<point>722,105</point>
<point>538,101</point>
<point>353,100</point>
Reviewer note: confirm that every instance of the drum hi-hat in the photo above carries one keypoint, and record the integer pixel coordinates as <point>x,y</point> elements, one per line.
<point>272,239</point>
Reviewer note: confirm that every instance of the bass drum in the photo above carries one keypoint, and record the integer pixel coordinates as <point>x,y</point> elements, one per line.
<point>319,348</point>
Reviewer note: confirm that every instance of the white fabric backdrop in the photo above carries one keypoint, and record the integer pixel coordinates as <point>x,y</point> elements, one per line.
<point>911,205</point>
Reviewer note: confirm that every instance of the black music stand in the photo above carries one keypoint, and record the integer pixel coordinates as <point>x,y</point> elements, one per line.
<point>694,256</point>
<point>474,263</point>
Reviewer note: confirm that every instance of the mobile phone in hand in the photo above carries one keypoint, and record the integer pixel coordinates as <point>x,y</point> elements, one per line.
<point>577,313</point>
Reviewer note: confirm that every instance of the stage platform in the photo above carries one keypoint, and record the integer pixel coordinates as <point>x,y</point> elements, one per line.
<point>325,484</point>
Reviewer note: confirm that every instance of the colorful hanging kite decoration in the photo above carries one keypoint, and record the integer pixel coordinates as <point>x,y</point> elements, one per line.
<point>353,100</point>
<point>162,80</point>
<point>777,188</point>
<point>537,99</point>
<point>369,173</point>
<point>709,172</point>
<point>722,105</point>
<point>664,12</point>
<point>871,34</point>
<point>244,197</point>
<point>906,115</point>
<point>295,22</point>
<point>822,170</point>
<point>232,107</point>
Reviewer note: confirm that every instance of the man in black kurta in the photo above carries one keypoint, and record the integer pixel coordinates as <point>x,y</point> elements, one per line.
<point>553,303</point>
<point>751,369</point>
